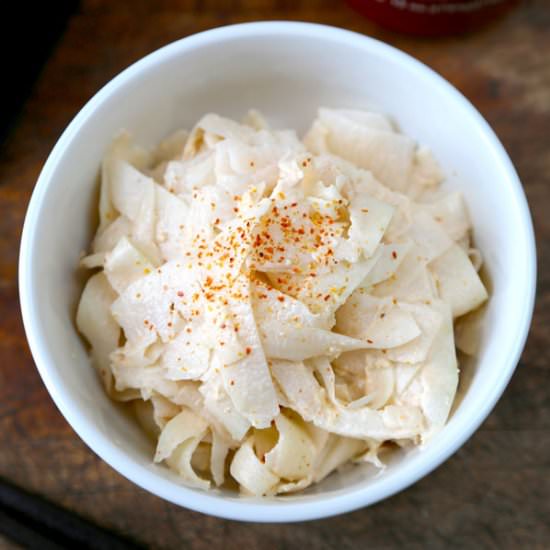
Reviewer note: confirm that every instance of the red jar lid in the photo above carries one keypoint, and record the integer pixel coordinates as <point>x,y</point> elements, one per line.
<point>431,17</point>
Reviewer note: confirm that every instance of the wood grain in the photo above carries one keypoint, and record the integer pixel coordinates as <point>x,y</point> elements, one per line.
<point>494,493</point>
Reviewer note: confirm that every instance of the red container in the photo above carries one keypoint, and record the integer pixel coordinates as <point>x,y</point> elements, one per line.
<point>432,17</point>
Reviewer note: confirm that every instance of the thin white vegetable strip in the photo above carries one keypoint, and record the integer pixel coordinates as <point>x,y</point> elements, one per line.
<point>218,404</point>
<point>184,426</point>
<point>252,474</point>
<point>458,282</point>
<point>121,149</point>
<point>293,455</point>
<point>125,264</point>
<point>338,451</point>
<point>220,448</point>
<point>180,461</point>
<point>386,154</point>
<point>95,322</point>
<point>439,376</point>
<point>247,380</point>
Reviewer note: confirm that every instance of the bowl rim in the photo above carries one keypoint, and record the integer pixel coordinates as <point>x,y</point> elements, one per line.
<point>254,509</point>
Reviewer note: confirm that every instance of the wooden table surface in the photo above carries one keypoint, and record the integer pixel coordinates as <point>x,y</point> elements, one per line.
<point>493,493</point>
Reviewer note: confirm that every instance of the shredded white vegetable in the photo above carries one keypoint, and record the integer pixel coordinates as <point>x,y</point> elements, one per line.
<point>274,308</point>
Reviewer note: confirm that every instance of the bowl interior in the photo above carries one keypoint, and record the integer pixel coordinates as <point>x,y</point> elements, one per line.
<point>286,71</point>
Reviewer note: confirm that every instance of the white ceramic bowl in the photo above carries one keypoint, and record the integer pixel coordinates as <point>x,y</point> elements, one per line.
<point>286,70</point>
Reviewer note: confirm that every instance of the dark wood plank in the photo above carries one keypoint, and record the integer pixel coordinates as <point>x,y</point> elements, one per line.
<point>494,493</point>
